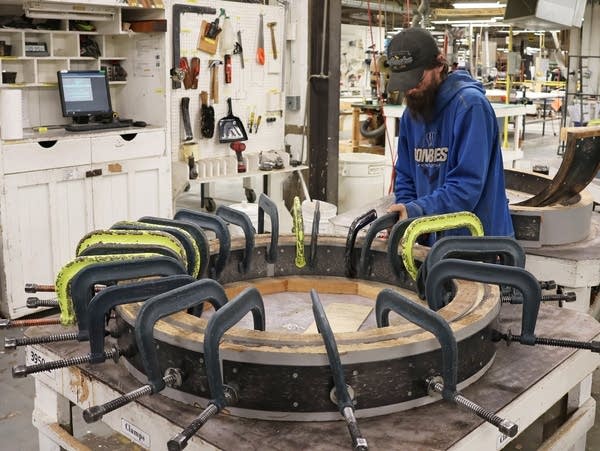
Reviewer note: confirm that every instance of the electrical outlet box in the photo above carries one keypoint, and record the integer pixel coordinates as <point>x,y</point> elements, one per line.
<point>292,103</point>
<point>291,31</point>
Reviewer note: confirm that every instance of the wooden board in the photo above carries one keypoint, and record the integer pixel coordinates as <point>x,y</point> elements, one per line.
<point>343,317</point>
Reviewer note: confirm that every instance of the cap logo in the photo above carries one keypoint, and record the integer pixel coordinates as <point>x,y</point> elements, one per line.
<point>400,61</point>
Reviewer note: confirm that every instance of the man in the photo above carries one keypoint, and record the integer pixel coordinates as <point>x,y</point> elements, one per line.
<point>449,156</point>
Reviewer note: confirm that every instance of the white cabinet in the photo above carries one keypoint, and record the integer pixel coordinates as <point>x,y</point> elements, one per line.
<point>45,210</point>
<point>130,189</point>
<point>34,56</point>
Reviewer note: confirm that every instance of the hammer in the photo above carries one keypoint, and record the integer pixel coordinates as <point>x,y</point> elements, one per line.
<point>271,26</point>
<point>213,65</point>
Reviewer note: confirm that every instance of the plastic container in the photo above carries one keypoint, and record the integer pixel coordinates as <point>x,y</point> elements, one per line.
<point>251,210</point>
<point>326,211</point>
<point>361,179</point>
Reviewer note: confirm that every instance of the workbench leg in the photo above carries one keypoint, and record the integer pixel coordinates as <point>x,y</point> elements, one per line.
<point>544,117</point>
<point>576,397</point>
<point>50,408</point>
<point>583,294</point>
<point>517,133</point>
<point>579,394</point>
<point>355,129</point>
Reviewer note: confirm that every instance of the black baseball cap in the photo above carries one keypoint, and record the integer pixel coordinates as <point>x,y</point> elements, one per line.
<point>409,53</point>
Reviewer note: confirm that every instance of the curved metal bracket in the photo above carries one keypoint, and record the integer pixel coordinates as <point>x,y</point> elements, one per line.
<point>396,235</point>
<point>266,205</point>
<point>157,307</point>
<point>112,296</point>
<point>451,268</point>
<point>108,273</point>
<point>384,222</point>
<point>241,219</point>
<point>390,300</point>
<point>436,223</point>
<point>314,235</point>
<point>216,225</point>
<point>126,248</point>
<point>197,234</point>
<point>191,248</point>
<point>357,225</point>
<point>226,317</point>
<point>491,249</point>
<point>579,166</point>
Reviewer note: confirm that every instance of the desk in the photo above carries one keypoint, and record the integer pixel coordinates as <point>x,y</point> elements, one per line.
<point>393,112</point>
<point>521,385</point>
<point>500,95</point>
<point>207,177</point>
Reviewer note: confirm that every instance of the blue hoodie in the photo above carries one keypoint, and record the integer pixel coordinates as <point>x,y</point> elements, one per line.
<point>454,163</point>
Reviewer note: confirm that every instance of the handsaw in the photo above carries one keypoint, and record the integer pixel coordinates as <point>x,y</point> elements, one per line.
<point>260,49</point>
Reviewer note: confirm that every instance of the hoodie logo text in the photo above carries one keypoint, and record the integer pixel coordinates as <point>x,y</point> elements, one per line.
<point>431,155</point>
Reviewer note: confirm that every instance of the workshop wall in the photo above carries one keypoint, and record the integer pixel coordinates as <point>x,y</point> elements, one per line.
<point>255,88</point>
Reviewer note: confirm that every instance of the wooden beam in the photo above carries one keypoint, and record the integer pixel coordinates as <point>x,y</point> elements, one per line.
<point>324,111</point>
<point>452,13</point>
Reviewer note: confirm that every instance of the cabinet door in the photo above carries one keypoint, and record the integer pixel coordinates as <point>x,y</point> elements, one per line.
<point>45,213</point>
<point>129,189</point>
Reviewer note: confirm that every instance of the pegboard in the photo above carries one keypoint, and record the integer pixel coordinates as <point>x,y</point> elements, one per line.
<point>256,87</point>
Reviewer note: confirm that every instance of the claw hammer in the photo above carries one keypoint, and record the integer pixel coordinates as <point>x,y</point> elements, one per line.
<point>214,79</point>
<point>271,26</point>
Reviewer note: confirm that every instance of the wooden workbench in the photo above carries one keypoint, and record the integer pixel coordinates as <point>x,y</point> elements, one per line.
<point>522,384</point>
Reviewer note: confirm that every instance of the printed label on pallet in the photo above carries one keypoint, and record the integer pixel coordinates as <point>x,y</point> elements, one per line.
<point>34,356</point>
<point>135,433</point>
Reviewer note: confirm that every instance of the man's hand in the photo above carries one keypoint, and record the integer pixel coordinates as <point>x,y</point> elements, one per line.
<point>401,209</point>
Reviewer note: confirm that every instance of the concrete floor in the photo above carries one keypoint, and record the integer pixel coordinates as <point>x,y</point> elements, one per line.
<point>18,434</point>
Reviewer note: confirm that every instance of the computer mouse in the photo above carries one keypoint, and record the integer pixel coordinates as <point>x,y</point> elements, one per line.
<point>139,124</point>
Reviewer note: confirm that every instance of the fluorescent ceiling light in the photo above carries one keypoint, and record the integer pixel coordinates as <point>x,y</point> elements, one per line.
<point>478,5</point>
<point>467,22</point>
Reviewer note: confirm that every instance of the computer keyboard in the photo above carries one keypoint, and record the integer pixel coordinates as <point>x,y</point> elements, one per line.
<point>92,126</point>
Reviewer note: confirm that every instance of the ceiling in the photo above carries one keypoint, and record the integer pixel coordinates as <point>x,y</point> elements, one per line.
<point>394,13</point>
<point>401,12</point>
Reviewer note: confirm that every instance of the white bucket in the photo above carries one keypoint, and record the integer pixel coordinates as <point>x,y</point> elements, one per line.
<point>361,179</point>
<point>326,212</point>
<point>251,210</point>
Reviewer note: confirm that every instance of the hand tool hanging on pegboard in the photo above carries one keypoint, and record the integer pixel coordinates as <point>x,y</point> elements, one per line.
<point>231,127</point>
<point>214,79</point>
<point>260,49</point>
<point>185,116</point>
<point>207,116</point>
<point>238,48</point>
<point>178,9</point>
<point>227,46</point>
<point>271,26</point>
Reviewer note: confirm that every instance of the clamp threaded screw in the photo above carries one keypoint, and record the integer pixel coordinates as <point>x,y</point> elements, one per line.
<point>12,343</point>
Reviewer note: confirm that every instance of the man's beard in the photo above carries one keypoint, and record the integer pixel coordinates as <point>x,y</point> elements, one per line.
<point>421,105</point>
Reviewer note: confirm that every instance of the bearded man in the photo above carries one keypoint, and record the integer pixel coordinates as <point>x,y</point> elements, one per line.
<point>449,156</point>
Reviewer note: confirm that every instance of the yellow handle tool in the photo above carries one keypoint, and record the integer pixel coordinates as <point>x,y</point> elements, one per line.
<point>299,232</point>
<point>436,223</point>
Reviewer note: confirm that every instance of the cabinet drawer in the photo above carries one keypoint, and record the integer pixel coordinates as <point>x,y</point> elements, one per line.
<point>127,146</point>
<point>34,156</point>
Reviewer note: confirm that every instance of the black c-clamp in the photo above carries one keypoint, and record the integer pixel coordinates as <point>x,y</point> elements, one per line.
<point>344,400</point>
<point>247,301</point>
<point>389,300</point>
<point>181,298</point>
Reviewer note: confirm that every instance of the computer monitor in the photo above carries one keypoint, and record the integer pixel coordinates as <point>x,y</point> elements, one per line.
<point>84,94</point>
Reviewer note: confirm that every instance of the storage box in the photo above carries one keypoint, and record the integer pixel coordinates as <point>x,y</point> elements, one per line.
<point>149,26</point>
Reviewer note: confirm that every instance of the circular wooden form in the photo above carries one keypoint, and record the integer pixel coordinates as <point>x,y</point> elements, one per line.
<point>285,375</point>
<point>564,223</point>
